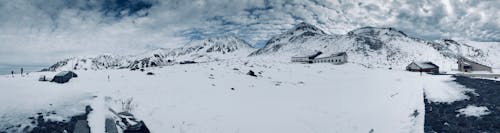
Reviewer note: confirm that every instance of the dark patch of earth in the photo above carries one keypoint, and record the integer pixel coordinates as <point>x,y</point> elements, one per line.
<point>43,125</point>
<point>443,117</point>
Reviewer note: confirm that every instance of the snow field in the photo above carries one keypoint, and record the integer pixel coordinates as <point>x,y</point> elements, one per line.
<point>195,98</point>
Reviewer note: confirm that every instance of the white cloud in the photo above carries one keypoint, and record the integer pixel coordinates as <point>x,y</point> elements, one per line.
<point>41,32</point>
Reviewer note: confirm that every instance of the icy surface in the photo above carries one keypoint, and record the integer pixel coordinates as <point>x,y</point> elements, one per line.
<point>473,110</point>
<point>446,91</point>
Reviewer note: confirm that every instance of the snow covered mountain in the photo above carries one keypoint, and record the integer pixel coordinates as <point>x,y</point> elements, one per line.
<point>90,63</point>
<point>299,34</point>
<point>211,49</point>
<point>370,46</point>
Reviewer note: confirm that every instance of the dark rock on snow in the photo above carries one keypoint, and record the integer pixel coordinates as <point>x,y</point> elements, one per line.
<point>251,73</point>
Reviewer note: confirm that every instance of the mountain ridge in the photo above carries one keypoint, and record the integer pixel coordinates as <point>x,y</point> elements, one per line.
<point>370,46</point>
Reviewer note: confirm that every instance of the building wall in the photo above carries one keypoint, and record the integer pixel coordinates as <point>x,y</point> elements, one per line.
<point>460,66</point>
<point>412,66</point>
<point>474,66</point>
<point>479,67</point>
<point>334,60</point>
<point>415,68</point>
<point>300,59</point>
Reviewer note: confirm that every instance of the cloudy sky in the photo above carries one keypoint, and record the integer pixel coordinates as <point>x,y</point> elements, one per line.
<point>41,32</point>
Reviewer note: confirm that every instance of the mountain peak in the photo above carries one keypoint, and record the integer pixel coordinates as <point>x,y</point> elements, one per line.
<point>299,33</point>
<point>306,27</point>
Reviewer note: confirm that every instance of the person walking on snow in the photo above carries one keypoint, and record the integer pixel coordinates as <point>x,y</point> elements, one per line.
<point>12,72</point>
<point>22,71</point>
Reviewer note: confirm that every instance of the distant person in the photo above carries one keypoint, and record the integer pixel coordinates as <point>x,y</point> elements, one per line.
<point>12,72</point>
<point>22,71</point>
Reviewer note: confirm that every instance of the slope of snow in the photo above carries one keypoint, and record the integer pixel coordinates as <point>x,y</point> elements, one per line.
<point>212,49</point>
<point>374,47</point>
<point>490,52</point>
<point>90,63</point>
<point>446,92</point>
<point>283,97</point>
<point>299,32</point>
<point>371,46</point>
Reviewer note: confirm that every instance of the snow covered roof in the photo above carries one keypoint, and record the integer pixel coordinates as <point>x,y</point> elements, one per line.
<point>425,64</point>
<point>62,73</point>
<point>332,55</point>
<point>310,55</point>
<point>467,61</point>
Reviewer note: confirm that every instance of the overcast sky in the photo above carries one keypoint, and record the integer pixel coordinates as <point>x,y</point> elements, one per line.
<point>41,32</point>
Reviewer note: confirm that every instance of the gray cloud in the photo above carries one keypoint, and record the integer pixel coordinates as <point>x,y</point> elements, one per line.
<point>41,32</point>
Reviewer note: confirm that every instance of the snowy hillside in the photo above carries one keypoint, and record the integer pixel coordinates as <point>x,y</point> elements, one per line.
<point>484,52</point>
<point>90,63</point>
<point>297,34</point>
<point>370,46</point>
<point>211,49</point>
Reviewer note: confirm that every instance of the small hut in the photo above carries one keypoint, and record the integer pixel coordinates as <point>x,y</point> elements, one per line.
<point>424,66</point>
<point>64,76</point>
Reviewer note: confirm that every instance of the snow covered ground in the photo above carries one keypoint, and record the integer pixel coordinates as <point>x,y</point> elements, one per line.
<point>472,110</point>
<point>284,97</point>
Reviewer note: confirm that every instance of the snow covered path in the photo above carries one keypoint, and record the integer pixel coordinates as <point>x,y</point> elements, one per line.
<point>198,97</point>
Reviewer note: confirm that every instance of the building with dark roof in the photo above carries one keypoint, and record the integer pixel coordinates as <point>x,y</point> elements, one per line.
<point>319,57</point>
<point>423,66</point>
<point>64,76</point>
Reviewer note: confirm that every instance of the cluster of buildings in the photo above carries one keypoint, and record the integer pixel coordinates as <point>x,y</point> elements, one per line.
<point>464,64</point>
